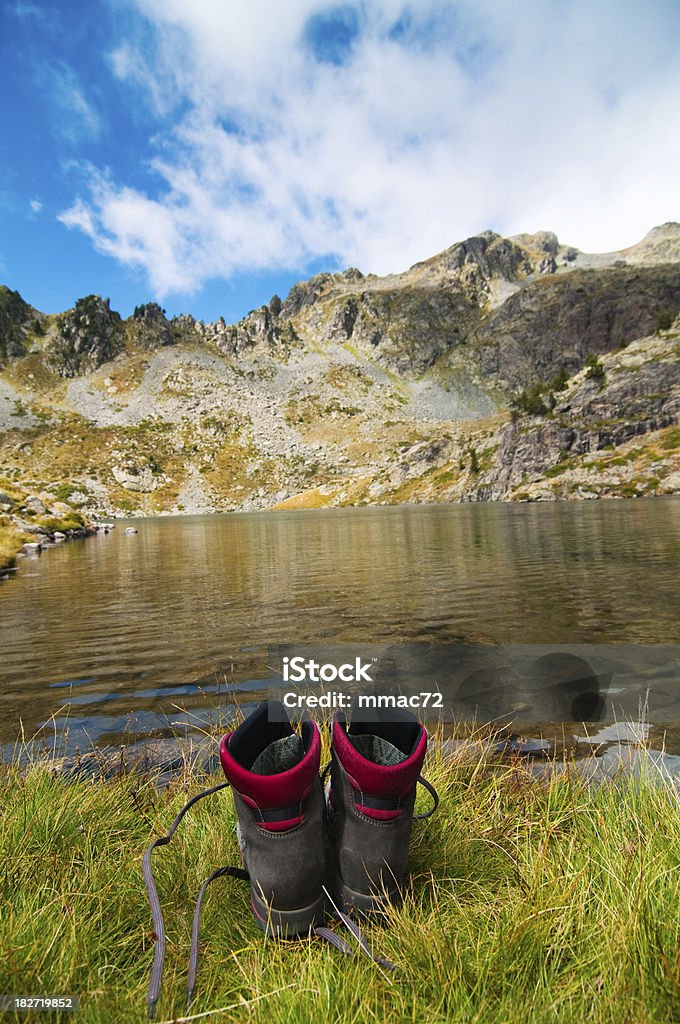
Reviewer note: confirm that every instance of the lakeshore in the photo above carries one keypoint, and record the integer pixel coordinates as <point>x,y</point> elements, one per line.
<point>30,523</point>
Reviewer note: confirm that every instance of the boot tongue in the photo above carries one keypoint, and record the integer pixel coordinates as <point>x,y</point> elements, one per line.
<point>377,749</point>
<point>279,756</point>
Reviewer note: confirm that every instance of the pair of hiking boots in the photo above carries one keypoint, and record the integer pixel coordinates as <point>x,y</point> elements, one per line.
<point>281,809</point>
<point>284,815</point>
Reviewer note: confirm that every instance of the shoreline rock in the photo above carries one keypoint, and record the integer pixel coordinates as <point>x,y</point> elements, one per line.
<point>165,759</point>
<point>35,522</point>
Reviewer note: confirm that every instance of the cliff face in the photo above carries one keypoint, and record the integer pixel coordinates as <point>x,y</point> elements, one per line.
<point>18,321</point>
<point>612,429</point>
<point>501,368</point>
<point>558,321</point>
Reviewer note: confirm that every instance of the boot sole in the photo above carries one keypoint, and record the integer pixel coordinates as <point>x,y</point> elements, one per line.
<point>364,903</point>
<point>287,924</point>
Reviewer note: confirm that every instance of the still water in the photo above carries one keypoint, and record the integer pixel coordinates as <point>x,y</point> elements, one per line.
<point>119,636</point>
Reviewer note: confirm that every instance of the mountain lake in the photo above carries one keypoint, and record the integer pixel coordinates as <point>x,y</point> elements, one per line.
<point>123,637</point>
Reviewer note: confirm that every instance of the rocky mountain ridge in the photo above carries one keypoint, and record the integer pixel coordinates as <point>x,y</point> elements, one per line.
<point>446,382</point>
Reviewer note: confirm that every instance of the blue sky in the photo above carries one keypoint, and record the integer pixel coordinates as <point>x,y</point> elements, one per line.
<point>208,153</point>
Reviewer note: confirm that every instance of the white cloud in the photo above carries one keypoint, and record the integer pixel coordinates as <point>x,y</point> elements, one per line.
<point>466,116</point>
<point>79,216</point>
<point>35,205</point>
<point>77,116</point>
<point>25,10</point>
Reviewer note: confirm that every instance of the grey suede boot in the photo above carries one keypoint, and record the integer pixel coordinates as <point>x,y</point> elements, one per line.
<point>375,767</point>
<point>274,773</point>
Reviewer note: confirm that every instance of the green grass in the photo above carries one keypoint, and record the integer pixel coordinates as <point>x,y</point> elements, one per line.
<point>11,541</point>
<point>526,901</point>
<point>557,469</point>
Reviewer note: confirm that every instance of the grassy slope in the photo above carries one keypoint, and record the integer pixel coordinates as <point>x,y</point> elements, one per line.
<point>526,902</point>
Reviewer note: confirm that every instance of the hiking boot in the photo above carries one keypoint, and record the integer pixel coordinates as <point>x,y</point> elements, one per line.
<point>278,795</point>
<point>375,767</point>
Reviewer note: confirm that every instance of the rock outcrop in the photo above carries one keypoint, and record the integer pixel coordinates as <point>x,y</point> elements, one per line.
<point>149,328</point>
<point>261,330</point>
<point>133,477</point>
<point>17,321</point>
<point>85,337</point>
